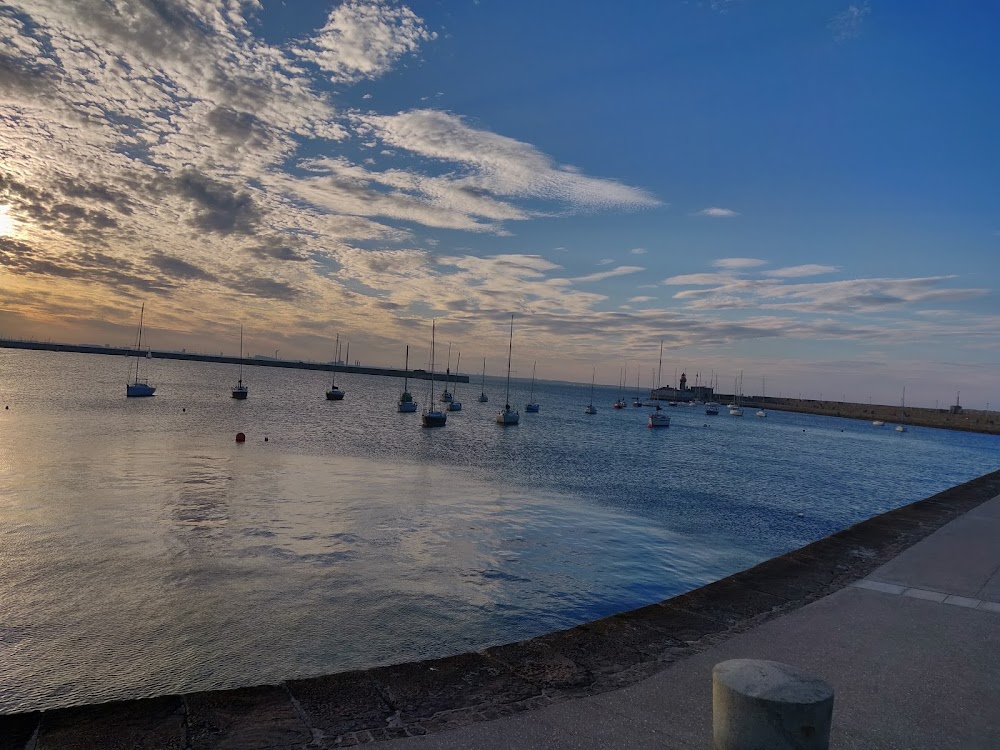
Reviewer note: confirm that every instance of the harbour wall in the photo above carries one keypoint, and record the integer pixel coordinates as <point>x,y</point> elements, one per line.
<point>418,698</point>
<point>247,361</point>
<point>968,420</point>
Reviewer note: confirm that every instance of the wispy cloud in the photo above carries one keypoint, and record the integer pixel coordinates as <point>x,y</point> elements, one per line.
<point>638,251</point>
<point>601,275</point>
<point>738,262</point>
<point>848,23</point>
<point>716,212</point>
<point>641,299</point>
<point>605,261</point>
<point>809,269</point>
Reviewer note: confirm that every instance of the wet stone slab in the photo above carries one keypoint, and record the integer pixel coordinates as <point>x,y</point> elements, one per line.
<point>420,690</point>
<point>542,666</point>
<point>154,724</point>
<point>17,730</point>
<point>341,703</point>
<point>259,718</point>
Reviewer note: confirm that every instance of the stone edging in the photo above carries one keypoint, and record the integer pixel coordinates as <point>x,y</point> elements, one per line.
<point>363,706</point>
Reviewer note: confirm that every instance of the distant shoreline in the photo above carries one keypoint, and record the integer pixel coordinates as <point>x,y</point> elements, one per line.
<point>968,420</point>
<point>289,364</point>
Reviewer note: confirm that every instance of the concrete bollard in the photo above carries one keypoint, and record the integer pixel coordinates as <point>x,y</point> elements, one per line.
<point>767,705</point>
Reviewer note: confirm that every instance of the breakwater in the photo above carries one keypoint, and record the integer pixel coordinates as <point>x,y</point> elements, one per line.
<point>287,364</point>
<point>402,700</point>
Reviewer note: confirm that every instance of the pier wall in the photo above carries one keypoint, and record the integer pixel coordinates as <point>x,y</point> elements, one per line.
<point>287,364</point>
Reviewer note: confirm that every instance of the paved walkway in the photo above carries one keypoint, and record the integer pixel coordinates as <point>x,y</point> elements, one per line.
<point>913,652</point>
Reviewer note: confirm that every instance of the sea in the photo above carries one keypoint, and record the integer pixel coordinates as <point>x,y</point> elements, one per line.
<point>143,551</point>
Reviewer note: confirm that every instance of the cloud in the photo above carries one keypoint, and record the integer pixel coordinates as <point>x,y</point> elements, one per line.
<point>362,40</point>
<point>639,300</point>
<point>496,165</point>
<point>732,263</point>
<point>720,213</point>
<point>848,23</point>
<point>809,269</point>
<point>605,261</point>
<point>602,275</point>
<point>638,251</point>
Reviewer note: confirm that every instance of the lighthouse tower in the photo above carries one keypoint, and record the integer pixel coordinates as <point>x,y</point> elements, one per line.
<point>684,380</point>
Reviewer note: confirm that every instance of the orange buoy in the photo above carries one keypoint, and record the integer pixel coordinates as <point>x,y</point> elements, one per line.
<point>240,437</point>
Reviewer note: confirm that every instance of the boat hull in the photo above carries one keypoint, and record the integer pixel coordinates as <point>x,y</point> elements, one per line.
<point>483,398</point>
<point>446,398</point>
<point>434,419</point>
<point>454,406</point>
<point>139,390</point>
<point>407,407</point>
<point>508,417</point>
<point>532,408</point>
<point>658,420</point>
<point>335,395</point>
<point>590,410</point>
<point>240,394</point>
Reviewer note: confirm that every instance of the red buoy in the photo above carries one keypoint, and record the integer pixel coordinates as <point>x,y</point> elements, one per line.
<point>240,437</point>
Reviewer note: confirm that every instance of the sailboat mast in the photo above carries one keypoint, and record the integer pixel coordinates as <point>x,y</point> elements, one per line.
<point>510,349</point>
<point>241,355</point>
<point>458,362</point>
<point>431,407</point>
<point>483,388</point>
<point>138,345</point>
<point>406,368</point>
<point>659,367</point>
<point>531,396</point>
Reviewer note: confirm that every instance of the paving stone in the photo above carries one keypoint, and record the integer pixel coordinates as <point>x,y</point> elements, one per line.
<point>541,665</point>
<point>255,718</point>
<point>962,601</point>
<point>16,730</point>
<point>154,724</point>
<point>885,588</point>
<point>341,703</point>
<point>421,690</point>
<point>728,602</point>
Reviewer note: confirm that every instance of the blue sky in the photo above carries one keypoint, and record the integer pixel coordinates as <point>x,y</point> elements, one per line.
<point>802,190</point>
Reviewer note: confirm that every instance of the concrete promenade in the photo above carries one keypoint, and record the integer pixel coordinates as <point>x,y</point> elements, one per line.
<point>900,613</point>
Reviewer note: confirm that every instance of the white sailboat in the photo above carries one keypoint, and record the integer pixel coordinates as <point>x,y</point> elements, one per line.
<point>620,403</point>
<point>590,409</point>
<point>902,406</point>
<point>712,407</point>
<point>658,418</point>
<point>637,401</point>
<point>240,391</point>
<point>334,393</point>
<point>139,388</point>
<point>507,415</point>
<point>431,417</point>
<point>483,398</point>
<point>406,403</point>
<point>761,412</point>
<point>734,409</point>
<point>531,407</point>
<point>446,394</point>
<point>455,404</point>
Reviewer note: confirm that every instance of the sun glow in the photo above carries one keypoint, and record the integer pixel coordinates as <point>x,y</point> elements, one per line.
<point>6,222</point>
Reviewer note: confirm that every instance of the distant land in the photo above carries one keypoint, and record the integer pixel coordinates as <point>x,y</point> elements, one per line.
<point>296,364</point>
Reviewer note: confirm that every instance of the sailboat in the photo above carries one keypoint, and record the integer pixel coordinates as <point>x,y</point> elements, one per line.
<point>712,407</point>
<point>483,398</point>
<point>431,417</point>
<point>761,412</point>
<point>735,409</point>
<point>334,393</point>
<point>657,418</point>
<point>590,409</point>
<point>446,394</point>
<point>531,407</point>
<point>637,401</point>
<point>902,405</point>
<point>406,403</point>
<point>240,391</point>
<point>455,404</point>
<point>138,388</point>
<point>507,415</point>
<point>620,403</point>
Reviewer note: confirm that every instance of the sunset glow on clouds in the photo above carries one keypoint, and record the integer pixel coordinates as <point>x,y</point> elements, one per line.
<point>353,167</point>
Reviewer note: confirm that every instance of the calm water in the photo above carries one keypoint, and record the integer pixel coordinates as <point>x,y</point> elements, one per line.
<point>142,551</point>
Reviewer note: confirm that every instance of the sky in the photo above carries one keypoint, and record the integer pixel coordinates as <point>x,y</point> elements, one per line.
<point>802,191</point>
